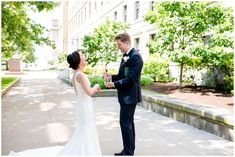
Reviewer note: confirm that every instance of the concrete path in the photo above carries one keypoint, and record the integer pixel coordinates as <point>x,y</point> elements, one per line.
<point>39,112</point>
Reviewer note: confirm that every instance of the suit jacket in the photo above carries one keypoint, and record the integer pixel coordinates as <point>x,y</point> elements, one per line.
<point>127,81</point>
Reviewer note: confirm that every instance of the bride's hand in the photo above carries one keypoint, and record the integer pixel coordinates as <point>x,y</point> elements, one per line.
<point>97,87</point>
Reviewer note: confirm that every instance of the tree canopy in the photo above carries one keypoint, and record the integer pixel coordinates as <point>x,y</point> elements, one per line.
<point>19,32</point>
<point>195,33</point>
<point>100,46</point>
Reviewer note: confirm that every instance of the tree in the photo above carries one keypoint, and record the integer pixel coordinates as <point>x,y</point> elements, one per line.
<point>181,28</point>
<point>100,46</point>
<point>62,57</point>
<point>19,32</point>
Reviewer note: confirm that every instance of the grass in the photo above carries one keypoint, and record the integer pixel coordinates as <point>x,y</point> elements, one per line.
<point>6,81</point>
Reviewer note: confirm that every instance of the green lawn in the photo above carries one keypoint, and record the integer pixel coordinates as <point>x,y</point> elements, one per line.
<point>6,81</point>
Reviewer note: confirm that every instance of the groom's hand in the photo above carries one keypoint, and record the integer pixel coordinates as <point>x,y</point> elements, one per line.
<point>109,84</point>
<point>107,76</point>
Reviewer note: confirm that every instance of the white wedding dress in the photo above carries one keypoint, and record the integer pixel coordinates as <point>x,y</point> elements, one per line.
<point>84,140</point>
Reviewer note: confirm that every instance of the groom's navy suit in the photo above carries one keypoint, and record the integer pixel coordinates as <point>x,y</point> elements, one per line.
<point>127,83</point>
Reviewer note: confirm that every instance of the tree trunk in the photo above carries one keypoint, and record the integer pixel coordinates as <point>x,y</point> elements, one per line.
<point>106,65</point>
<point>181,73</point>
<point>7,65</point>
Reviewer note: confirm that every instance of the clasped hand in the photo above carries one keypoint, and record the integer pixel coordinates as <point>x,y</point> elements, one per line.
<point>97,87</point>
<point>107,77</point>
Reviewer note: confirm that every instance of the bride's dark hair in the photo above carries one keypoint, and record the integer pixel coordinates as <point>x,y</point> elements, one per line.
<point>74,60</point>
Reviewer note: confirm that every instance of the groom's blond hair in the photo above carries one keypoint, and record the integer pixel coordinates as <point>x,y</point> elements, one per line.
<point>123,37</point>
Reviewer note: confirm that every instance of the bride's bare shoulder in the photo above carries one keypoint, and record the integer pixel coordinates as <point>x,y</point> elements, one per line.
<point>80,76</point>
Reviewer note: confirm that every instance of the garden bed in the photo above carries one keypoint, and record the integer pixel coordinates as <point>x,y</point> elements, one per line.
<point>193,93</point>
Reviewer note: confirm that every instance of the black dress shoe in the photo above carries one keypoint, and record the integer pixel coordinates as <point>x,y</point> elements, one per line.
<point>119,154</point>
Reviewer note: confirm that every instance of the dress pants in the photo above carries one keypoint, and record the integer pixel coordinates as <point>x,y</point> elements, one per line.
<point>127,128</point>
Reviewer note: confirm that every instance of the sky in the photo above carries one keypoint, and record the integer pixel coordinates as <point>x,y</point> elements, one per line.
<point>45,19</point>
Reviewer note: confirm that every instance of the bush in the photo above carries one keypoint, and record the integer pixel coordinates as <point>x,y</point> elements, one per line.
<point>51,62</point>
<point>220,78</point>
<point>229,83</point>
<point>157,68</point>
<point>146,80</point>
<point>88,70</point>
<point>98,71</point>
<point>97,80</point>
<point>62,57</point>
<point>112,71</point>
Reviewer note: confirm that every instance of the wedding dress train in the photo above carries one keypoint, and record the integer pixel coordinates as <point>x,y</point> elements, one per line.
<point>84,140</point>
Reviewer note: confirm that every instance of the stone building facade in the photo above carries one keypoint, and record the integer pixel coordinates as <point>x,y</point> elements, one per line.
<point>81,17</point>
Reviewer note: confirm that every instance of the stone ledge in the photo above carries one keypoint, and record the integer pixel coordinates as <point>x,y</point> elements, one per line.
<point>210,112</point>
<point>106,93</point>
<point>212,119</point>
<point>7,88</point>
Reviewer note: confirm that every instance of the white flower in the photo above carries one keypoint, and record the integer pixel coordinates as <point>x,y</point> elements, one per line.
<point>125,58</point>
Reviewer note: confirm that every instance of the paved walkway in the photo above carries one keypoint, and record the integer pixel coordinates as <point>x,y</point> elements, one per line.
<point>39,112</point>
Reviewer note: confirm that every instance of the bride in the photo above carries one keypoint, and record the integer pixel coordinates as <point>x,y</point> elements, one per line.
<point>84,140</point>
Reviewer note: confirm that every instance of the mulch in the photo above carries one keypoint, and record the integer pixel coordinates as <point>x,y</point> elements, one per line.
<point>195,93</point>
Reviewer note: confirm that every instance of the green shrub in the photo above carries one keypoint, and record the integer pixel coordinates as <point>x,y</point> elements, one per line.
<point>146,80</point>
<point>157,68</point>
<point>98,70</point>
<point>232,91</point>
<point>62,57</point>
<point>229,77</point>
<point>51,62</point>
<point>112,71</point>
<point>88,70</point>
<point>229,83</point>
<point>220,78</point>
<point>97,80</point>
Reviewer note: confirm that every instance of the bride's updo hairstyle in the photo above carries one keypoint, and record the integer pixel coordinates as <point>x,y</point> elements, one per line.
<point>74,60</point>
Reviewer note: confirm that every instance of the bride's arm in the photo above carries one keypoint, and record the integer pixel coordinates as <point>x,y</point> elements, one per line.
<point>73,83</point>
<point>85,85</point>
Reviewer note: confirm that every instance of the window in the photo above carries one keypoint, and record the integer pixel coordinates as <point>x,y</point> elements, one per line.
<point>82,17</point>
<point>137,9</point>
<point>85,14</point>
<point>89,10</point>
<point>79,20</point>
<point>76,22</point>
<point>137,43</point>
<point>151,5</point>
<point>101,5</point>
<point>115,15</point>
<point>206,38</point>
<point>152,36</point>
<point>125,13</point>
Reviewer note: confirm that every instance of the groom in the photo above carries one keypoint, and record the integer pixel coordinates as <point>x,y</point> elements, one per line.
<point>127,83</point>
